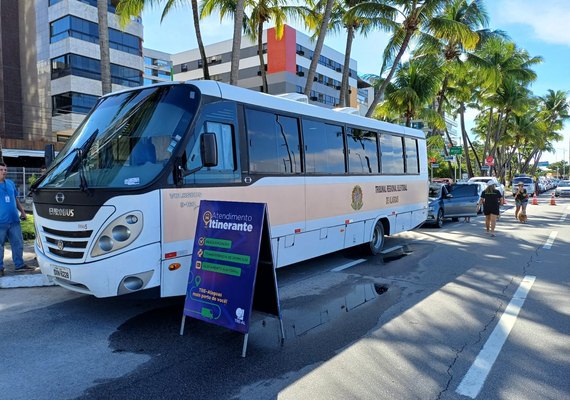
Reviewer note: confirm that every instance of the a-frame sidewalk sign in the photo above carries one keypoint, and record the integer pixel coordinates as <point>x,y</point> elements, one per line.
<point>232,269</point>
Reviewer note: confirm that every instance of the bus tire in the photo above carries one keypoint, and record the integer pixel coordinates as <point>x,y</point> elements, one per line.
<point>377,243</point>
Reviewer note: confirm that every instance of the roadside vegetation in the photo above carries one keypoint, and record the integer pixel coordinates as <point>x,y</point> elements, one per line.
<point>442,60</point>
<point>28,229</point>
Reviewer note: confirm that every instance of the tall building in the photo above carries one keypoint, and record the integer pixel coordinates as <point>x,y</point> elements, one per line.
<point>287,62</point>
<point>50,71</point>
<point>157,67</point>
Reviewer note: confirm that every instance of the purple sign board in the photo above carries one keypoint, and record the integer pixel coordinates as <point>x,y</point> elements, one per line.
<point>225,259</point>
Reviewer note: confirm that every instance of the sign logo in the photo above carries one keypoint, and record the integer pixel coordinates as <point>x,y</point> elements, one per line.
<point>357,198</point>
<point>60,197</point>
<point>240,313</point>
<point>207,217</point>
<point>60,244</point>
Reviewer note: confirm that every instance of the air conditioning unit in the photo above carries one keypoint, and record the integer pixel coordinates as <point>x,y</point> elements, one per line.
<point>337,87</point>
<point>314,98</point>
<point>301,52</point>
<point>300,73</point>
<point>338,69</point>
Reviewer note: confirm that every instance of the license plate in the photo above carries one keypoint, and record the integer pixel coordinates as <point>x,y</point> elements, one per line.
<point>61,272</point>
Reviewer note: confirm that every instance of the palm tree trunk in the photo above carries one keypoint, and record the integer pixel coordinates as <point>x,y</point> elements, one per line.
<point>380,93</point>
<point>318,47</point>
<point>196,18</point>
<point>464,140</point>
<point>236,43</point>
<point>104,46</point>
<point>344,95</point>
<point>264,86</point>
<point>488,137</point>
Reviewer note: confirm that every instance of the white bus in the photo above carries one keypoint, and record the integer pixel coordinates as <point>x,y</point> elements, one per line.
<point>116,211</point>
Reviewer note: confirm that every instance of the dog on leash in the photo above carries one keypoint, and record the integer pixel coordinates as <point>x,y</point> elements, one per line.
<point>522,218</point>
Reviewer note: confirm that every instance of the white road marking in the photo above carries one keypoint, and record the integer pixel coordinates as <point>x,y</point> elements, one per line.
<point>348,265</point>
<point>391,249</point>
<point>563,217</point>
<point>550,240</point>
<point>473,381</point>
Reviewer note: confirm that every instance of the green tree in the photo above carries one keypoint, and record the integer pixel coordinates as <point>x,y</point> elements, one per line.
<point>405,19</point>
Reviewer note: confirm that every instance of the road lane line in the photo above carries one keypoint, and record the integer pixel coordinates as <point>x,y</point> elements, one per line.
<point>563,217</point>
<point>475,378</point>
<point>348,265</point>
<point>550,240</point>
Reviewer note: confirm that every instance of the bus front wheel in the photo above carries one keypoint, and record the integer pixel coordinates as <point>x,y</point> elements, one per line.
<point>377,243</point>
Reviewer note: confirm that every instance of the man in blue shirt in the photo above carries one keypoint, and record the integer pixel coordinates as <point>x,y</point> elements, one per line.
<point>10,222</point>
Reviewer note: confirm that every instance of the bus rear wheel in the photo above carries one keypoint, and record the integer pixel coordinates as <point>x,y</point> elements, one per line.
<point>377,243</point>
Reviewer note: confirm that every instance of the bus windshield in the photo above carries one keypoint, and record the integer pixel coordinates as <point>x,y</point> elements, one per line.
<point>126,140</point>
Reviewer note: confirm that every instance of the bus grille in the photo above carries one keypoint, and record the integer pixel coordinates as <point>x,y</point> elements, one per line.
<point>66,244</point>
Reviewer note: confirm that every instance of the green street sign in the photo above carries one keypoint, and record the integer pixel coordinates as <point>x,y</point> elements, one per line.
<point>455,150</point>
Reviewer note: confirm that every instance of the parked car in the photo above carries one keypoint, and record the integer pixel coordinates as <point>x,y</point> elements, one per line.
<point>480,189</point>
<point>451,201</point>
<point>527,181</point>
<point>500,187</point>
<point>448,181</point>
<point>563,189</point>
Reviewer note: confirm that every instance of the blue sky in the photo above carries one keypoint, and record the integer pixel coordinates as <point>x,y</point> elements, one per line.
<point>541,27</point>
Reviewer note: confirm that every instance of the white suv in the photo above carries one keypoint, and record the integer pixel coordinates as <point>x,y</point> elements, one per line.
<point>500,187</point>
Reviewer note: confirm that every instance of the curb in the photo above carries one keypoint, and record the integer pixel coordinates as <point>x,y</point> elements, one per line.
<point>25,281</point>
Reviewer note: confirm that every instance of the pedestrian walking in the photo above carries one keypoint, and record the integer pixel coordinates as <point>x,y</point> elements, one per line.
<point>521,201</point>
<point>491,199</point>
<point>10,222</point>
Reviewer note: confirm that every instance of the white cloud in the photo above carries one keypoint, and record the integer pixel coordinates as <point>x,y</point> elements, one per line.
<point>548,18</point>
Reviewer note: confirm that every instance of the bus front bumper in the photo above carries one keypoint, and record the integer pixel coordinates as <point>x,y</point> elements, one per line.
<point>112,276</point>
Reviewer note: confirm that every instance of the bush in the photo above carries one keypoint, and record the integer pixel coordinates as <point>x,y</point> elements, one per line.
<point>28,228</point>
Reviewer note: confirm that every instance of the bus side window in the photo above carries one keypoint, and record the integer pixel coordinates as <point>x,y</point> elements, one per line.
<point>392,151</point>
<point>273,142</point>
<point>324,148</point>
<point>412,160</point>
<point>226,170</point>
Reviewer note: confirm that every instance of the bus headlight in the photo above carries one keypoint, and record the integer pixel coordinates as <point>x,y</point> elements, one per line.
<point>38,238</point>
<point>119,233</point>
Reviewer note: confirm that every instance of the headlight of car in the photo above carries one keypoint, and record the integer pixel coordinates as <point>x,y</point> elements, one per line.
<point>118,234</point>
<point>431,209</point>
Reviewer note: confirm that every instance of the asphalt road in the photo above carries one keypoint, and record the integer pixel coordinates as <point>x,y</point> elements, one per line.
<point>409,325</point>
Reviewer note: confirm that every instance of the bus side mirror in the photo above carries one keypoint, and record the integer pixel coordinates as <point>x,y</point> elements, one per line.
<point>209,149</point>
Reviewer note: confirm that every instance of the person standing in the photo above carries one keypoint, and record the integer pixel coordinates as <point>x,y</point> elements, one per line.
<point>491,199</point>
<point>10,222</point>
<point>521,201</point>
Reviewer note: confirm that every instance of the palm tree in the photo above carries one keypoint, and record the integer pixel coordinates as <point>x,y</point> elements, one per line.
<point>103,22</point>
<point>127,8</point>
<point>344,17</point>
<point>323,26</point>
<point>415,16</point>
<point>411,93</point>
<point>236,43</point>
<point>263,11</point>
<point>235,8</point>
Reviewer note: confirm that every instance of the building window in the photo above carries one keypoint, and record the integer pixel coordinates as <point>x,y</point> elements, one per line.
<point>70,26</point>
<point>110,7</point>
<point>184,68</point>
<point>72,102</point>
<point>76,65</point>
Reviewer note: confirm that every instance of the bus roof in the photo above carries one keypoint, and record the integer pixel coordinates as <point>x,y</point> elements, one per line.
<point>242,95</point>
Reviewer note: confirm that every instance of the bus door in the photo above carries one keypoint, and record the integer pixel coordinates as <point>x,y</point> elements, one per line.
<point>220,182</point>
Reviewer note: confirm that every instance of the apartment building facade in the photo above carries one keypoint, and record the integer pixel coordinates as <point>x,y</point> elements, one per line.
<point>51,72</point>
<point>287,62</point>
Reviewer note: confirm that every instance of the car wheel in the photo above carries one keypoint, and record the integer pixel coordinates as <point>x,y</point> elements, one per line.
<point>439,219</point>
<point>377,243</point>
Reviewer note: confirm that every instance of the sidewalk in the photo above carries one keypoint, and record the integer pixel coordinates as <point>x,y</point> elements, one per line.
<point>32,278</point>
